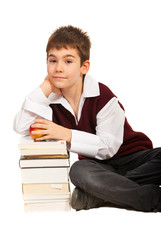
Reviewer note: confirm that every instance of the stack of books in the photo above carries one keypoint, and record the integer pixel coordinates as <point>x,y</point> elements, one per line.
<point>45,175</point>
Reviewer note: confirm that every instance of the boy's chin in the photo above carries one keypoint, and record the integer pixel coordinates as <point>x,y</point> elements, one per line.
<point>59,85</point>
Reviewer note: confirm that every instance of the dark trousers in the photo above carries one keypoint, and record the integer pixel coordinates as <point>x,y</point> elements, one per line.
<point>129,181</point>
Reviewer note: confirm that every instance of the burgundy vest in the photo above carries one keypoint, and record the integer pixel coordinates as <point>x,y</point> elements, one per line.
<point>132,142</point>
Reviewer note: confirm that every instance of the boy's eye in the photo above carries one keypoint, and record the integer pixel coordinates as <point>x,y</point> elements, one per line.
<point>52,60</point>
<point>68,61</point>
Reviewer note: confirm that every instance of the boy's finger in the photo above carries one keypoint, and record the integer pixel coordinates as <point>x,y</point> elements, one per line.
<point>38,126</point>
<point>42,138</point>
<point>37,132</point>
<point>36,121</point>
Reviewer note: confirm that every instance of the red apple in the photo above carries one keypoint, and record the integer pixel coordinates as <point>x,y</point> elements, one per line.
<point>35,129</point>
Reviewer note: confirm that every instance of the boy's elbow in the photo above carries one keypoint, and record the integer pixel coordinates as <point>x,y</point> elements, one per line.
<point>19,129</point>
<point>109,149</point>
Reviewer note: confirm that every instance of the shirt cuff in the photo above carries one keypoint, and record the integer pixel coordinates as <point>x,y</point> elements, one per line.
<point>38,96</point>
<point>84,143</point>
<point>38,103</point>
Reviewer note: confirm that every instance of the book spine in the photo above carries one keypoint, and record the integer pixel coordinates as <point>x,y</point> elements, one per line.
<point>44,175</point>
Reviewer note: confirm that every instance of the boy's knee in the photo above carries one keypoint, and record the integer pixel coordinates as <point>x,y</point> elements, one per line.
<point>75,172</point>
<point>80,172</point>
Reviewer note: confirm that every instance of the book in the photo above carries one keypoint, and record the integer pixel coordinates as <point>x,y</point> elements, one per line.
<point>45,175</point>
<point>46,156</point>
<point>46,191</point>
<point>29,147</point>
<point>28,142</point>
<point>47,206</point>
<point>43,162</point>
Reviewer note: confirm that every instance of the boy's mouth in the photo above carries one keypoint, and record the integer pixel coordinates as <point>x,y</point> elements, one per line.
<point>59,77</point>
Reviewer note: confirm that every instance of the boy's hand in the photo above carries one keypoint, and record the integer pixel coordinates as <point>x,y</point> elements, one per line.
<point>51,130</point>
<point>48,87</point>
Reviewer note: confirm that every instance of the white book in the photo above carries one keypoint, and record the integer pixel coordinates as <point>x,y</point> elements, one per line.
<point>45,151</point>
<point>47,206</point>
<point>28,198</point>
<point>46,191</point>
<point>28,146</point>
<point>44,175</point>
<point>28,142</point>
<point>43,162</point>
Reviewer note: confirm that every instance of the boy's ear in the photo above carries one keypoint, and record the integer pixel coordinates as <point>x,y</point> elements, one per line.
<point>85,66</point>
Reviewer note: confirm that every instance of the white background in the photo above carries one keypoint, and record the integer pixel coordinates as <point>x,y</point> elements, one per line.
<point>125,55</point>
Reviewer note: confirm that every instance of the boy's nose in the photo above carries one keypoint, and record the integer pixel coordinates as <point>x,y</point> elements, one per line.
<point>59,67</point>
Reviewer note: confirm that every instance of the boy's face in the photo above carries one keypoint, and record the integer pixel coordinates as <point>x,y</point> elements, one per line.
<point>64,68</point>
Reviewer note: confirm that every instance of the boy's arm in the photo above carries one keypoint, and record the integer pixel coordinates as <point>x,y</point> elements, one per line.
<point>51,130</point>
<point>47,87</point>
<point>109,134</point>
<point>36,105</point>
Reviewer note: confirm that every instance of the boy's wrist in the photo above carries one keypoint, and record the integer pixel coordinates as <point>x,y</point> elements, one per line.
<point>68,135</point>
<point>46,88</point>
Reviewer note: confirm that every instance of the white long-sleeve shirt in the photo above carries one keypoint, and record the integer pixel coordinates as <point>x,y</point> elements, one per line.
<point>110,119</point>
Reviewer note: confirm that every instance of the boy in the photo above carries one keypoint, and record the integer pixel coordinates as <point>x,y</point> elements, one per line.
<point>117,165</point>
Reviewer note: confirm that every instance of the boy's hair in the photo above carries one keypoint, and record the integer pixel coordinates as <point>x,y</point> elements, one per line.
<point>73,37</point>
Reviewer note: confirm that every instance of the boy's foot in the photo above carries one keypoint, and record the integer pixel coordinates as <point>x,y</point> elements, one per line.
<point>82,200</point>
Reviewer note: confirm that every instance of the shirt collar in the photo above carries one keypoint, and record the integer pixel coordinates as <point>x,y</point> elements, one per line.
<point>90,89</point>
